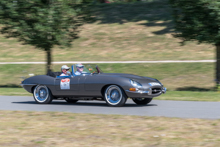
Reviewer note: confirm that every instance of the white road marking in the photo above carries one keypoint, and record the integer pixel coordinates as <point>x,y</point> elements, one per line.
<point>73,62</point>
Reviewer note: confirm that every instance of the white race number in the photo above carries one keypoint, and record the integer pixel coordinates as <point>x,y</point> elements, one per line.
<point>65,83</point>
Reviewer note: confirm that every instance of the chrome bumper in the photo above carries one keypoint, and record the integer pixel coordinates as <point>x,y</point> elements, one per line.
<point>148,92</point>
<point>164,90</point>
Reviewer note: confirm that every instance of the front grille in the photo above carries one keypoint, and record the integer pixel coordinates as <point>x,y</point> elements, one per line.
<point>156,90</point>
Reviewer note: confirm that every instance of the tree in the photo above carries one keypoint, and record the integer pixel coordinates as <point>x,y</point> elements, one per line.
<point>43,23</point>
<point>199,20</point>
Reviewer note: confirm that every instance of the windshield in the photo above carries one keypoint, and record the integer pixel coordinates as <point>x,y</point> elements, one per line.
<point>86,69</point>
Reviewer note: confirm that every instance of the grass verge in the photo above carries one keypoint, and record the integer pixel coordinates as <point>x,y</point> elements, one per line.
<point>14,92</point>
<point>190,96</point>
<point>170,95</point>
<point>174,76</point>
<point>22,128</point>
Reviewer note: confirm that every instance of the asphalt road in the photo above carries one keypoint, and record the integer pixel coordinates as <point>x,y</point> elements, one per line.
<point>181,109</point>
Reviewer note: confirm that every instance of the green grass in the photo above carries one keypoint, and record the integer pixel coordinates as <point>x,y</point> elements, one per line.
<point>175,76</point>
<point>190,96</point>
<point>14,92</point>
<point>192,81</point>
<point>123,31</point>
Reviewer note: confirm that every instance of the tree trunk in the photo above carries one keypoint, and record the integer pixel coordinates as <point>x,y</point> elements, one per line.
<point>218,67</point>
<point>49,60</point>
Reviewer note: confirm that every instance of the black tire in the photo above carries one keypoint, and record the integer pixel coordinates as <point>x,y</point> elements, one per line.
<point>115,96</point>
<point>142,101</point>
<point>42,94</point>
<point>70,100</point>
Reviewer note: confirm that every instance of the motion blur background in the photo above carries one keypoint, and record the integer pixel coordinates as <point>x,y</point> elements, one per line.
<point>122,31</point>
<point>118,30</point>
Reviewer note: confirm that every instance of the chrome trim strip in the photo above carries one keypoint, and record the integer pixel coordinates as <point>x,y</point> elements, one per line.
<point>27,84</point>
<point>139,91</point>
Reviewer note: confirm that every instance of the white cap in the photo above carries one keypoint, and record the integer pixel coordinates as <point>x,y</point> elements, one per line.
<point>64,67</point>
<point>79,65</point>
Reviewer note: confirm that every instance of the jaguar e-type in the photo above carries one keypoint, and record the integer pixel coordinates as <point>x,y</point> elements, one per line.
<point>93,84</point>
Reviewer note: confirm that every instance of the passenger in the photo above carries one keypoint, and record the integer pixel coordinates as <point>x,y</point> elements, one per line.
<point>79,68</point>
<point>64,70</point>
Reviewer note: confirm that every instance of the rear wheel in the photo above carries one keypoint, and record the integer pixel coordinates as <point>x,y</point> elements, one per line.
<point>115,96</point>
<point>68,100</point>
<point>142,101</point>
<point>42,94</point>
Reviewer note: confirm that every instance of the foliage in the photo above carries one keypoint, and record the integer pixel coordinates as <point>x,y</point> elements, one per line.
<point>197,20</point>
<point>43,23</point>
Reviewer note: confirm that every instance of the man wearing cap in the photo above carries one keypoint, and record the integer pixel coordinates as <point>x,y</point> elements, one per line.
<point>64,70</point>
<point>79,68</point>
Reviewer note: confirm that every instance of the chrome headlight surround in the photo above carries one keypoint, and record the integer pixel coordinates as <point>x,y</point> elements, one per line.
<point>135,84</point>
<point>159,82</point>
<point>155,84</point>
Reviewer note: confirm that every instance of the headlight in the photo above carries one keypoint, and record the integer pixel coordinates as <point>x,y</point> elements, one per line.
<point>159,82</point>
<point>154,84</point>
<point>135,84</point>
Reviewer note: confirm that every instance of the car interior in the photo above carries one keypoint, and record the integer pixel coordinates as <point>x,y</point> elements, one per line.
<point>57,74</point>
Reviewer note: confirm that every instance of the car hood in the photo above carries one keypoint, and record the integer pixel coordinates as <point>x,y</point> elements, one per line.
<point>130,76</point>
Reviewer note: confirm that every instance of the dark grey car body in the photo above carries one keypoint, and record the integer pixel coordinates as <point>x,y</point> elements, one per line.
<point>93,85</point>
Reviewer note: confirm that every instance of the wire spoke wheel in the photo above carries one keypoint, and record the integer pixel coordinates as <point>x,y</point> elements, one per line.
<point>114,96</point>
<point>42,94</point>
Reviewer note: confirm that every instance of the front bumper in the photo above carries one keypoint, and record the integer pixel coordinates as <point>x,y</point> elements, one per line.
<point>149,93</point>
<point>164,90</point>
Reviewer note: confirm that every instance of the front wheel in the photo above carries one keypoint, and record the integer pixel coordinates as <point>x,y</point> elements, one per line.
<point>42,94</point>
<point>142,101</point>
<point>115,96</point>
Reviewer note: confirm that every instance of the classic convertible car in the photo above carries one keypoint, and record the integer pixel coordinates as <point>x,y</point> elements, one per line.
<point>93,84</point>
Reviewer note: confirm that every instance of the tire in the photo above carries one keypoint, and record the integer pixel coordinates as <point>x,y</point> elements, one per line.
<point>42,94</point>
<point>115,96</point>
<point>142,101</point>
<point>70,100</point>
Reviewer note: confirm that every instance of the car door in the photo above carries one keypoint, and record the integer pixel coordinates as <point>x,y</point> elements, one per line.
<point>67,85</point>
<point>93,85</point>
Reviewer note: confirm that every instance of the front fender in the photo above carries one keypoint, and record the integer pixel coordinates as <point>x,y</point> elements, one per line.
<point>29,83</point>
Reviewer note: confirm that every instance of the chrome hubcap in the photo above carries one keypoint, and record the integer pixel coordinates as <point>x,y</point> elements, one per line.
<point>113,95</point>
<point>41,93</point>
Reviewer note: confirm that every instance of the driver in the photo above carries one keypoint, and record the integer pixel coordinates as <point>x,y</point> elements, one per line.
<point>64,70</point>
<point>79,68</point>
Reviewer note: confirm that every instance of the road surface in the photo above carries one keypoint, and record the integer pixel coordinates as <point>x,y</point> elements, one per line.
<point>166,108</point>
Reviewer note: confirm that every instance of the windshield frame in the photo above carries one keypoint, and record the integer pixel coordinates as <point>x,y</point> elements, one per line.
<point>88,69</point>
